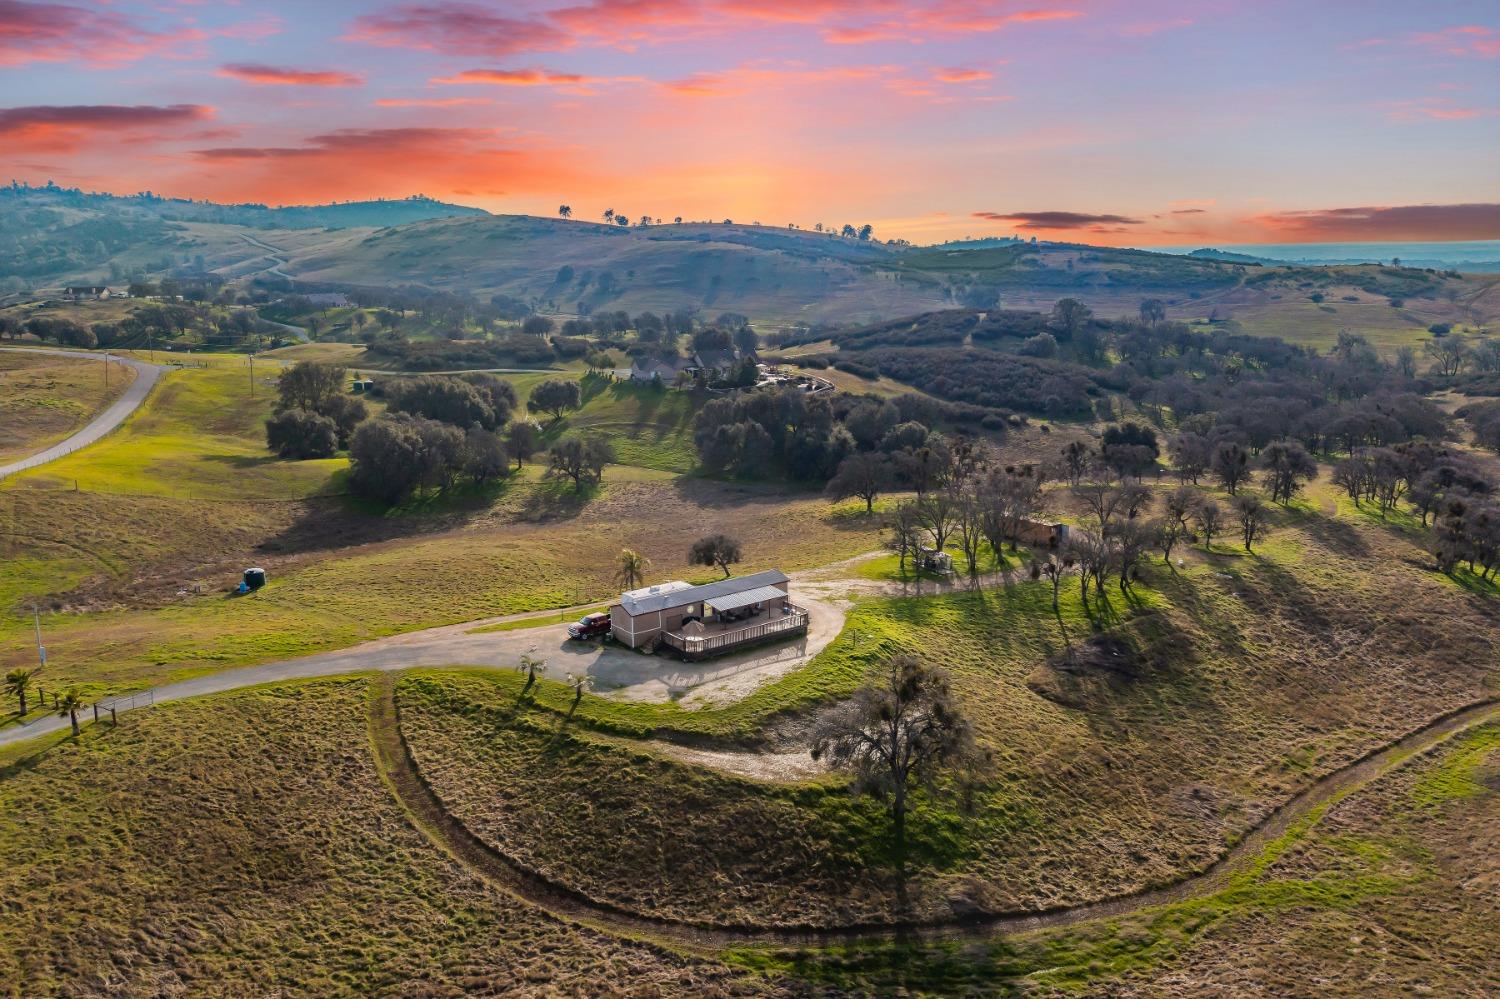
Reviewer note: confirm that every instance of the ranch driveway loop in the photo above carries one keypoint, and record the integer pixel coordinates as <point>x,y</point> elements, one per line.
<point>615,671</point>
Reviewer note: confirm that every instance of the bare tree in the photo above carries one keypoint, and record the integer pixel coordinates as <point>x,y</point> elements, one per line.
<point>903,729</point>
<point>1287,466</point>
<point>1054,569</point>
<point>1181,503</point>
<point>906,533</point>
<point>1168,532</point>
<point>1231,463</point>
<point>1251,514</point>
<point>1210,520</point>
<point>1106,503</point>
<point>1077,459</point>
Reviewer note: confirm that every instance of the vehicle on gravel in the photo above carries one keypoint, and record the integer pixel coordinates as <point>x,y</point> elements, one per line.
<point>589,626</point>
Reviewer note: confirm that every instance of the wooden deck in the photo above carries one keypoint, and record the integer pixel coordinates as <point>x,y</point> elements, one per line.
<point>719,638</point>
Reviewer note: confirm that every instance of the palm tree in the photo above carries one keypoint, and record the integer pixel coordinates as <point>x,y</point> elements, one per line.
<point>531,664</point>
<point>68,705</point>
<point>632,568</point>
<point>17,682</point>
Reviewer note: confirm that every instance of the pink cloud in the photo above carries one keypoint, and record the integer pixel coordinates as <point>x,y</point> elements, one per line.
<point>1432,109</point>
<point>49,32</point>
<point>1403,222</point>
<point>281,76</point>
<point>67,128</point>
<point>430,102</point>
<point>463,28</point>
<point>516,78</point>
<point>1467,40</point>
<point>961,74</point>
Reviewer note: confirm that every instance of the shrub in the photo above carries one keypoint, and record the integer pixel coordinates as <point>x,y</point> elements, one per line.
<point>298,434</point>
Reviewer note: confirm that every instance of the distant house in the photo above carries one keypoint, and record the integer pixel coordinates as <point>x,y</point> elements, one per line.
<point>329,300</point>
<point>645,369</point>
<point>701,621</point>
<point>720,362</point>
<point>82,292</point>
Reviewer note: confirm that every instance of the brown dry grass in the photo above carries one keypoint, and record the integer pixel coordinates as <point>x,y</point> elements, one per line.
<point>44,398</point>
<point>247,846</point>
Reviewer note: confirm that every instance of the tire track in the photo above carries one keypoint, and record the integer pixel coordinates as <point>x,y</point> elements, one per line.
<point>449,834</point>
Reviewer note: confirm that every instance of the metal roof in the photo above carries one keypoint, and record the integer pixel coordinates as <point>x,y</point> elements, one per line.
<point>638,602</point>
<point>745,598</point>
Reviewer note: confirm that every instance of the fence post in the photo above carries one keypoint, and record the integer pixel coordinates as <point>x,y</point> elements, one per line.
<point>96,712</point>
<point>112,719</point>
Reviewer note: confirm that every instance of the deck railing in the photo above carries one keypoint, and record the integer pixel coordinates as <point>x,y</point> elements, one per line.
<point>700,645</point>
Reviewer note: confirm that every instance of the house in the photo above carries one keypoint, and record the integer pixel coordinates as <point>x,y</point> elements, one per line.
<point>329,300</point>
<point>701,621</point>
<point>645,369</point>
<point>82,292</point>
<point>719,362</point>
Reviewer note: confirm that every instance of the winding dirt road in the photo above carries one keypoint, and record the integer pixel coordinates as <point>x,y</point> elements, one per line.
<point>448,833</point>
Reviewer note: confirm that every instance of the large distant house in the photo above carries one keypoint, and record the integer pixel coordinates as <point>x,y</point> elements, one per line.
<point>719,362</point>
<point>645,369</point>
<point>701,621</point>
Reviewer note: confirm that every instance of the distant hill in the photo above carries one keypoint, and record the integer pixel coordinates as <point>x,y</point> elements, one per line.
<point>1208,253</point>
<point>51,236</point>
<point>348,214</point>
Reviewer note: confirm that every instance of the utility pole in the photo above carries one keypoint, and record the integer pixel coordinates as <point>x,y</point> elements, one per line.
<point>106,369</point>
<point>41,650</point>
<point>251,359</point>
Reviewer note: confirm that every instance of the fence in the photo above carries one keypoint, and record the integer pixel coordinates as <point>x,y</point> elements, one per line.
<point>696,647</point>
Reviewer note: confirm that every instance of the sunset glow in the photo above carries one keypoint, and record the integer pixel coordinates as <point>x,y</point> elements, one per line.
<point>1132,123</point>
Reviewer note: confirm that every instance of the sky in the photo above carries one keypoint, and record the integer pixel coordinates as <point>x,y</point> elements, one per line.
<point>1101,121</point>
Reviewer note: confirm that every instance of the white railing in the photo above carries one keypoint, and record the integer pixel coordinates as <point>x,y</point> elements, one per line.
<point>699,645</point>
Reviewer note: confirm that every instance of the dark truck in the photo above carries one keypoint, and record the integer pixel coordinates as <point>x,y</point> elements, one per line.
<point>589,626</point>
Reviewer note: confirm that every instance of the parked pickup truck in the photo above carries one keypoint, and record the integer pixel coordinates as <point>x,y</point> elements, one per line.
<point>589,626</point>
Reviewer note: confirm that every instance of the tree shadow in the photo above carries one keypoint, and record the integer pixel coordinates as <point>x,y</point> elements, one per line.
<point>556,499</point>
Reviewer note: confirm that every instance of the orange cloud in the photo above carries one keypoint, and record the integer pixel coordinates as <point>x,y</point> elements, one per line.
<point>961,74</point>
<point>48,128</point>
<point>746,78</point>
<point>976,15</point>
<point>861,36</point>
<point>385,162</point>
<point>517,78</point>
<point>430,102</point>
<point>280,76</point>
<point>1404,222</point>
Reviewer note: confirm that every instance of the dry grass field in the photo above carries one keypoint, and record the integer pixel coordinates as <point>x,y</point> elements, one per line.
<point>43,398</point>
<point>247,846</point>
<point>1241,680</point>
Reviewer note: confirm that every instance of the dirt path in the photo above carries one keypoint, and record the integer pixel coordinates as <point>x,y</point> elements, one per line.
<point>115,414</point>
<point>453,837</point>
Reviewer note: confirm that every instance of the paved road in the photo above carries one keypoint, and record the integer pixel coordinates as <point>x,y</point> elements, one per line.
<point>146,375</point>
<point>621,672</point>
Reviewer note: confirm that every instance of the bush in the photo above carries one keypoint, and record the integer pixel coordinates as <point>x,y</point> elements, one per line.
<point>298,434</point>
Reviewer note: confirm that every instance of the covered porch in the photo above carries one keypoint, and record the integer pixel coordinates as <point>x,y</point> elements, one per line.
<point>750,618</point>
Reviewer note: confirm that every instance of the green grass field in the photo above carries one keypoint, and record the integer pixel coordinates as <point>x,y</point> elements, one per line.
<point>199,436</point>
